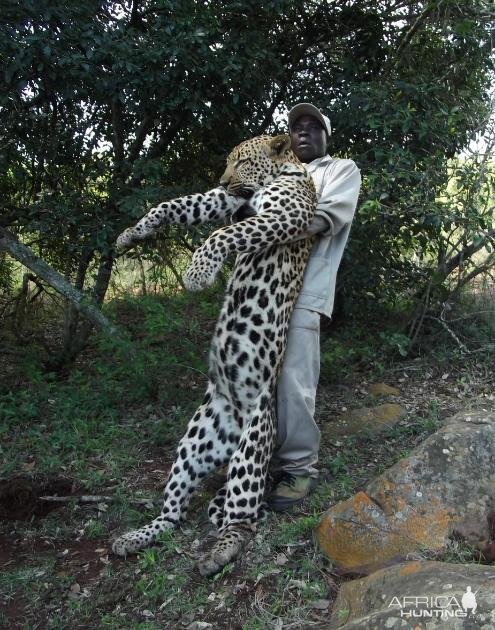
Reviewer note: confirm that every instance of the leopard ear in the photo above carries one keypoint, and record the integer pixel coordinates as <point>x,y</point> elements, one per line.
<point>278,145</point>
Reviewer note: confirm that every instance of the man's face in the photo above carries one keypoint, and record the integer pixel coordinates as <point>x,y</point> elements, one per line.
<point>308,138</point>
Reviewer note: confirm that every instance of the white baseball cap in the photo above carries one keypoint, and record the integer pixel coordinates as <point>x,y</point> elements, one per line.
<point>306,109</point>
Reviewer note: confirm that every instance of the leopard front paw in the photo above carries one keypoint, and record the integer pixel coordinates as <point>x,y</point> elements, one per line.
<point>132,542</point>
<point>199,277</point>
<point>127,239</point>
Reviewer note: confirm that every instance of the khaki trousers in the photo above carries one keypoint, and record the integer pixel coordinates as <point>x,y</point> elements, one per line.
<point>298,438</point>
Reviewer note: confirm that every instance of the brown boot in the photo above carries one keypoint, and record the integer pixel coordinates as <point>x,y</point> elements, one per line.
<point>290,490</point>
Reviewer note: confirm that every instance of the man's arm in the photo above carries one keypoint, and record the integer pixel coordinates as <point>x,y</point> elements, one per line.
<point>338,200</point>
<point>337,204</point>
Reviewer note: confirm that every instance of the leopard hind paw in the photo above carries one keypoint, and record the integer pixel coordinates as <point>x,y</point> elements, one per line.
<point>226,549</point>
<point>138,539</point>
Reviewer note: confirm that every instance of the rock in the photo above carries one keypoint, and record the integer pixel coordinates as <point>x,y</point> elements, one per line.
<point>382,389</point>
<point>445,591</point>
<point>320,604</point>
<point>444,488</point>
<point>366,419</point>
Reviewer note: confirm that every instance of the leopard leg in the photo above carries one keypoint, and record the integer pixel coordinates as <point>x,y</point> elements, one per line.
<point>215,507</point>
<point>247,473</point>
<point>205,446</point>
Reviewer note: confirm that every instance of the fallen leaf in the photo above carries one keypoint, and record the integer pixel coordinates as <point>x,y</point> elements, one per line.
<point>281,559</point>
<point>299,584</point>
<point>147,613</point>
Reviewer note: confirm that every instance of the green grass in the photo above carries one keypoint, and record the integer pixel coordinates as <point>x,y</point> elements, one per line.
<point>93,422</point>
<point>126,404</point>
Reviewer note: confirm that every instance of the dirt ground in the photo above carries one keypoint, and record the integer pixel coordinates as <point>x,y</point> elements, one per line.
<point>58,572</point>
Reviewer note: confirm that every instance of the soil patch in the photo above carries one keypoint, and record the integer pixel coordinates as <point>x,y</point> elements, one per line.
<point>20,496</point>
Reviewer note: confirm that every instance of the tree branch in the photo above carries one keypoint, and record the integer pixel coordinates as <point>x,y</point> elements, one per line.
<point>98,498</point>
<point>407,37</point>
<point>118,129</point>
<point>157,149</point>
<point>24,255</point>
<point>143,130</point>
<point>465,253</point>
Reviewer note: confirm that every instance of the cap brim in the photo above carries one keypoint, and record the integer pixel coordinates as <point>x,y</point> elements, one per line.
<point>306,109</point>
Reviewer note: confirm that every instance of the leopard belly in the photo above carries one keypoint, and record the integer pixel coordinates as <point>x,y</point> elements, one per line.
<point>250,337</point>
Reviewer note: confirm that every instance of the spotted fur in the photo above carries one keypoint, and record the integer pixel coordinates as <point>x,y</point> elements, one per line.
<point>235,423</point>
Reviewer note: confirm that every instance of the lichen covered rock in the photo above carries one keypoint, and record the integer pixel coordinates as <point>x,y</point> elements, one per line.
<point>371,420</point>
<point>423,595</point>
<point>445,487</point>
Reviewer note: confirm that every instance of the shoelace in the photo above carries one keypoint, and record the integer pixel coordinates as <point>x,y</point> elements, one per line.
<point>288,480</point>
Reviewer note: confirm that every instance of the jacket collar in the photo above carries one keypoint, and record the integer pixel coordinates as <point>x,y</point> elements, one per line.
<point>322,161</point>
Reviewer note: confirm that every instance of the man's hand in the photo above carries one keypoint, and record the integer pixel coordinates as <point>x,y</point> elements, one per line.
<point>319,224</point>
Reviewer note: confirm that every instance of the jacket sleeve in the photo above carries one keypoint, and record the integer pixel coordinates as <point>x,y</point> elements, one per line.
<point>339,196</point>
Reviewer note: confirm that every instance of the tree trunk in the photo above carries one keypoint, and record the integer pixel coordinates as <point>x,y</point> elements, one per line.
<point>77,342</point>
<point>20,306</point>
<point>71,313</point>
<point>142,276</point>
<point>82,304</point>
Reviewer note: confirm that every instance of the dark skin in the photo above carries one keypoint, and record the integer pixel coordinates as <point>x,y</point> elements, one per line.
<point>309,142</point>
<point>308,138</point>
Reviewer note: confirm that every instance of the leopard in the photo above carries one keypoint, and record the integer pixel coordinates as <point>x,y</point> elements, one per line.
<point>269,199</point>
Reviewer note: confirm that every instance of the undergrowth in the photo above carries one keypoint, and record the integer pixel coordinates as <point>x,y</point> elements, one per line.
<point>112,424</point>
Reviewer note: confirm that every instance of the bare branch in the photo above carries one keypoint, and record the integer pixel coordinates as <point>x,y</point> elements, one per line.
<point>10,244</point>
<point>143,130</point>
<point>97,498</point>
<point>118,129</point>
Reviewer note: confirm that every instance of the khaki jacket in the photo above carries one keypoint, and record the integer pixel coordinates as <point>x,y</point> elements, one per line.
<point>337,184</point>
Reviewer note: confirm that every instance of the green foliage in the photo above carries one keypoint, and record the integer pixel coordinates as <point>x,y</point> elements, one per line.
<point>61,422</point>
<point>111,107</point>
<point>6,276</point>
<point>292,531</point>
<point>95,529</point>
<point>348,349</point>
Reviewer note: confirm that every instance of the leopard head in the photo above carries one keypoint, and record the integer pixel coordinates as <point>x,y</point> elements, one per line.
<point>255,163</point>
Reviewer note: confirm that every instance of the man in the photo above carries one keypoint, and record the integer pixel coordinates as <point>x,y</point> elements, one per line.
<point>337,184</point>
